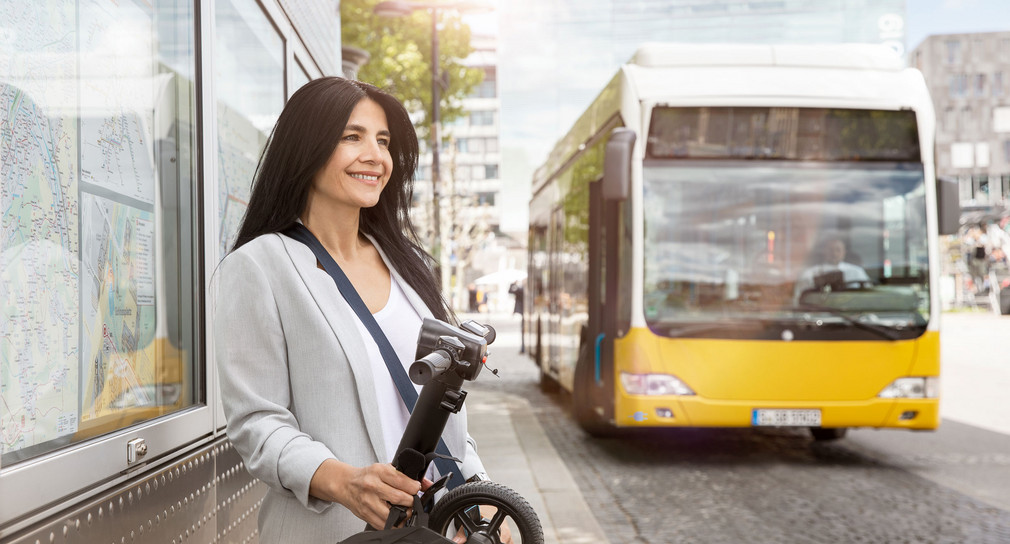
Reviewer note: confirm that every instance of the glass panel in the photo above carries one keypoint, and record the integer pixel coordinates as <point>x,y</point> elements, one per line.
<point>299,78</point>
<point>783,133</point>
<point>249,59</point>
<point>97,105</point>
<point>736,248</point>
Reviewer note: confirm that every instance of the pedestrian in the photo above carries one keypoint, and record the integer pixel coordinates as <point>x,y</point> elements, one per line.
<point>977,255</point>
<point>516,290</point>
<point>310,402</point>
<point>481,300</point>
<point>472,301</point>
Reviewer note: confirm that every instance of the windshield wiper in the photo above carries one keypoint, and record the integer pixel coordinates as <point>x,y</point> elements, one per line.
<point>883,332</point>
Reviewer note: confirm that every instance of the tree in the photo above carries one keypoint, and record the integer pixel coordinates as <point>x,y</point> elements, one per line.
<point>400,49</point>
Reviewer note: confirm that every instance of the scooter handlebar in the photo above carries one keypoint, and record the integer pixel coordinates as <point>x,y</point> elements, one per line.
<point>422,370</point>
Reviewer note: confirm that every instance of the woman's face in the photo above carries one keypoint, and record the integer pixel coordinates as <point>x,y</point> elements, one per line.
<point>360,165</point>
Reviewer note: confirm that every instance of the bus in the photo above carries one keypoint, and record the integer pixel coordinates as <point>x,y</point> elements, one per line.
<point>744,236</point>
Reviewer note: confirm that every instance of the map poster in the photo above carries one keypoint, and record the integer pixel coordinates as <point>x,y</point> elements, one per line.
<point>117,98</point>
<point>39,266</point>
<point>118,353</point>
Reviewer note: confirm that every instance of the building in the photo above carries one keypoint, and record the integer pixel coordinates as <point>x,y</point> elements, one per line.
<point>129,134</point>
<point>969,79</point>
<point>470,173</point>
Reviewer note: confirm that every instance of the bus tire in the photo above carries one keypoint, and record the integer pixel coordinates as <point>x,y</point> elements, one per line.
<point>587,394</point>
<point>822,434</point>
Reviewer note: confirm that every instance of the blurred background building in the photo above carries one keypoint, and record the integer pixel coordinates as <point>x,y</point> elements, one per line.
<point>470,169</point>
<point>969,79</point>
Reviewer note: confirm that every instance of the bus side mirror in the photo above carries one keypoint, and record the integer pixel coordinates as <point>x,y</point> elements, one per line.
<point>617,165</point>
<point>948,205</point>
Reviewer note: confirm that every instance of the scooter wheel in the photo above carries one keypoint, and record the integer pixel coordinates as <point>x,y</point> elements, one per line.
<point>459,508</point>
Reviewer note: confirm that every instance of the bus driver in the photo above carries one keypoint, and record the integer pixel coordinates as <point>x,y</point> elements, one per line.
<point>834,271</point>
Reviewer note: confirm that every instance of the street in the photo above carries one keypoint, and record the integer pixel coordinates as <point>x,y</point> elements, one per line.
<point>778,485</point>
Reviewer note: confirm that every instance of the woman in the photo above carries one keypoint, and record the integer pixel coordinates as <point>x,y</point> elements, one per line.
<point>311,406</point>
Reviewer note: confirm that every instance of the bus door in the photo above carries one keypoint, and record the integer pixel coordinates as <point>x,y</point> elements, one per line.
<point>594,325</point>
<point>592,392</point>
<point>535,309</point>
<point>555,291</point>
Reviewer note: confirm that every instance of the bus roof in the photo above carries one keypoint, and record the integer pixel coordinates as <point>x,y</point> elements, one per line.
<point>854,56</point>
<point>861,76</point>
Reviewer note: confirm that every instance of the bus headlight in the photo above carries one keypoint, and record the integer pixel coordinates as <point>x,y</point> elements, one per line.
<point>927,387</point>
<point>654,384</point>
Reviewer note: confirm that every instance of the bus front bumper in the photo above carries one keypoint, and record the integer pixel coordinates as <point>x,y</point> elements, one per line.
<point>692,411</point>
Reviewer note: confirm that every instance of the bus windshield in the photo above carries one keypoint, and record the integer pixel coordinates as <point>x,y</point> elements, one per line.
<point>830,250</point>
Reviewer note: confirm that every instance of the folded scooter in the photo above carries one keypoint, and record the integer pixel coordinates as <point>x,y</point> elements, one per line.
<point>446,357</point>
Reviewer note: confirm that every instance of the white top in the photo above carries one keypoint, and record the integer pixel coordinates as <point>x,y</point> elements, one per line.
<point>850,273</point>
<point>401,325</point>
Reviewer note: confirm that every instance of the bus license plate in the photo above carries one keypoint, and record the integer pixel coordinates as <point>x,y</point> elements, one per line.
<point>786,418</point>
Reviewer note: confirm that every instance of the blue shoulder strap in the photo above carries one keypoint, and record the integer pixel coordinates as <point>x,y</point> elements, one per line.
<point>407,392</point>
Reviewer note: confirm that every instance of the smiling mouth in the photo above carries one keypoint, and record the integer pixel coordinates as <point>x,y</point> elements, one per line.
<point>365,177</point>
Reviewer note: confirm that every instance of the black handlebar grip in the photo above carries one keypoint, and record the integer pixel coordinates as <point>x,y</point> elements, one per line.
<point>424,368</point>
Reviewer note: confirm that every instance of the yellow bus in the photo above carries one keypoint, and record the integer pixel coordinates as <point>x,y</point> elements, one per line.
<point>744,235</point>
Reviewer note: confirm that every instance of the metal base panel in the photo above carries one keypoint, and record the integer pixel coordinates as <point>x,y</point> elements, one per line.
<point>206,497</point>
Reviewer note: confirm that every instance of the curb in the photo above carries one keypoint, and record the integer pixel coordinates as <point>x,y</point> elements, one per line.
<point>517,453</point>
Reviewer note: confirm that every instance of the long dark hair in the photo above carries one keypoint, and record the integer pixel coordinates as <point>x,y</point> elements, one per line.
<point>307,131</point>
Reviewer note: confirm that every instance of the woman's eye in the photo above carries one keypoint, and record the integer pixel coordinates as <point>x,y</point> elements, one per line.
<point>350,137</point>
<point>383,142</point>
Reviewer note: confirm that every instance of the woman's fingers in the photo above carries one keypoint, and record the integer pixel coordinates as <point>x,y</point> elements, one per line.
<point>375,487</point>
<point>396,488</point>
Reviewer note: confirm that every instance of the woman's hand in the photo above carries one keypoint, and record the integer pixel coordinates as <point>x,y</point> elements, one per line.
<point>367,492</point>
<point>487,512</point>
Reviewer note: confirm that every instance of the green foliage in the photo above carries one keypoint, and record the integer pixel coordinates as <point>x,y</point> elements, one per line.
<point>400,49</point>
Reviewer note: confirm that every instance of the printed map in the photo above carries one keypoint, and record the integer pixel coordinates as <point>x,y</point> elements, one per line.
<point>39,313</point>
<point>117,98</point>
<point>117,288</point>
<point>77,272</point>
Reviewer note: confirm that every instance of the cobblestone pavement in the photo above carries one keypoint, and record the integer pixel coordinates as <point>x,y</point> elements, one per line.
<point>760,486</point>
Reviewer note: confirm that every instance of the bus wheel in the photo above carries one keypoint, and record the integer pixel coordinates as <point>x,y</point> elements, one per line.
<point>822,434</point>
<point>587,395</point>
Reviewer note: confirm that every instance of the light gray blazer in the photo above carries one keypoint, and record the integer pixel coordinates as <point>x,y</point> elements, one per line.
<point>297,384</point>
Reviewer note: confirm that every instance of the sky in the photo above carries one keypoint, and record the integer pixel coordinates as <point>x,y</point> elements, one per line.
<point>527,139</point>
<point>927,17</point>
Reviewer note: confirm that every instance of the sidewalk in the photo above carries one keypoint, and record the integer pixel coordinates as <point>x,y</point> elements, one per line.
<point>517,453</point>
<point>975,369</point>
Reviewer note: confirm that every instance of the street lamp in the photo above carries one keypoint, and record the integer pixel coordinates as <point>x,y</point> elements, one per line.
<point>399,8</point>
